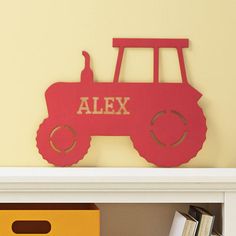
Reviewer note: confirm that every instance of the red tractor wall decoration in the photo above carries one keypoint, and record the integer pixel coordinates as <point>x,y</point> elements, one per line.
<point>163,120</point>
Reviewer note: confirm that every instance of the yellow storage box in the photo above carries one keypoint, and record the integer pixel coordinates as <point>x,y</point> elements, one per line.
<point>49,220</point>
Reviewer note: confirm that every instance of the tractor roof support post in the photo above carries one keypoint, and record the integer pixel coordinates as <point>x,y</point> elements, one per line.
<point>118,64</point>
<point>182,65</point>
<point>156,65</point>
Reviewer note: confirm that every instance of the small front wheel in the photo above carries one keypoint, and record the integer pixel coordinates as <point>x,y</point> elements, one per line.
<point>60,143</point>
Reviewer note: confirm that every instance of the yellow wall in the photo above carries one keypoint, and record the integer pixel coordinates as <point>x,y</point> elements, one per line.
<point>41,42</point>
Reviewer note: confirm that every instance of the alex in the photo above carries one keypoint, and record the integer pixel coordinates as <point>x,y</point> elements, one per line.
<point>108,105</point>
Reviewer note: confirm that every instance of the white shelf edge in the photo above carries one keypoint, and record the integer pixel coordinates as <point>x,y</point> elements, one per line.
<point>40,184</point>
<point>109,175</point>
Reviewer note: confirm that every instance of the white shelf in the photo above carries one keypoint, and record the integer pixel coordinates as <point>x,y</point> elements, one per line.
<point>81,174</point>
<point>115,184</point>
<point>123,185</point>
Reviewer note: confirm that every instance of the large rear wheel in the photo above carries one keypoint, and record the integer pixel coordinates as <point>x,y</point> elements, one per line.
<point>171,137</point>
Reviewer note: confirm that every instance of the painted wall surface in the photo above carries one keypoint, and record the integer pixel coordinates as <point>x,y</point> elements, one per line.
<point>41,43</point>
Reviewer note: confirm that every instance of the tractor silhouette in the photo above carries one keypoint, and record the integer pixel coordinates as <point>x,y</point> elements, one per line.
<point>163,120</point>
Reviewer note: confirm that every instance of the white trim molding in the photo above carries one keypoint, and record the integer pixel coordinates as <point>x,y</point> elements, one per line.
<point>116,184</point>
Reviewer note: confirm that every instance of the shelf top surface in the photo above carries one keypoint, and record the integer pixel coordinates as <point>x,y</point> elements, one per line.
<point>109,175</point>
